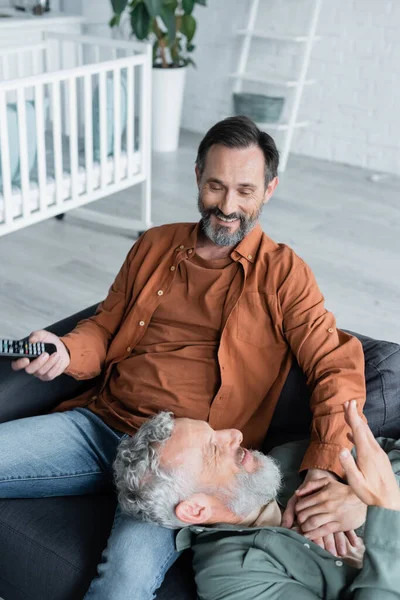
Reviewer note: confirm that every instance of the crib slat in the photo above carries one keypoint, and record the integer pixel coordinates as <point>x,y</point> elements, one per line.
<point>103,128</point>
<point>23,151</point>
<point>130,121</point>
<point>5,161</point>
<point>117,125</point>
<point>6,69</point>
<point>36,62</point>
<point>41,146</point>
<point>57,142</point>
<point>73,139</point>
<point>88,133</point>
<point>145,135</point>
<point>20,65</point>
<point>96,52</point>
<point>79,55</point>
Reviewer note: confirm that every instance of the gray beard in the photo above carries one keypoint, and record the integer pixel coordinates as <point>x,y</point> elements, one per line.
<point>219,234</point>
<point>254,490</point>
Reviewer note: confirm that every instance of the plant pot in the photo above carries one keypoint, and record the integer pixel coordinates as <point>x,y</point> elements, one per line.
<point>168,88</point>
<point>260,108</point>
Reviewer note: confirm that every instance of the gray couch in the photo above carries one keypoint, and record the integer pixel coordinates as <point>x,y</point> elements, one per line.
<point>49,548</point>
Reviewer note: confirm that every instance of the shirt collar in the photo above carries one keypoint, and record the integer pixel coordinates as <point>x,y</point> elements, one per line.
<point>249,246</point>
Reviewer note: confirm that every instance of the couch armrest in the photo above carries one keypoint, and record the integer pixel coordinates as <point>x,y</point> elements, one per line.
<point>23,395</point>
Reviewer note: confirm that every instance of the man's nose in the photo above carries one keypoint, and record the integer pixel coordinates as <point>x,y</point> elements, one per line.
<point>231,438</point>
<point>229,204</point>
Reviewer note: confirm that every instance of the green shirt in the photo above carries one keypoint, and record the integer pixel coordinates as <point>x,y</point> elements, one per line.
<point>271,563</point>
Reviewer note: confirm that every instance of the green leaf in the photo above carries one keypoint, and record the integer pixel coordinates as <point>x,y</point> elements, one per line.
<point>114,22</point>
<point>202,2</point>
<point>188,26</point>
<point>170,4</point>
<point>140,21</point>
<point>153,7</point>
<point>119,6</point>
<point>188,6</point>
<point>168,16</point>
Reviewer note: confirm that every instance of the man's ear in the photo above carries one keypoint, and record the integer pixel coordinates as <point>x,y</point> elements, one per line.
<point>270,189</point>
<point>194,510</point>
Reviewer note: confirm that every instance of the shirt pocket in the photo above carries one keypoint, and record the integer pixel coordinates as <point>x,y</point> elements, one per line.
<point>254,322</point>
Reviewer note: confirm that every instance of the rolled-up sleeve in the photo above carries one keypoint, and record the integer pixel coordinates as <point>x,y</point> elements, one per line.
<point>332,360</point>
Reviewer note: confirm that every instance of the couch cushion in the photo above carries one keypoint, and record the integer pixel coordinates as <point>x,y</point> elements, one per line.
<point>50,547</point>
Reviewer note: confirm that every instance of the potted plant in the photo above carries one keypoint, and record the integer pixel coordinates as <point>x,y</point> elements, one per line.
<point>171,27</point>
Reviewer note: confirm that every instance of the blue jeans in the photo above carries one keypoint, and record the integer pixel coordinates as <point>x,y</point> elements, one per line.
<point>71,453</point>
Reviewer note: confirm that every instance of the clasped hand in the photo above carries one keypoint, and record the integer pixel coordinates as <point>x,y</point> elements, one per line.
<point>323,504</point>
<point>327,512</point>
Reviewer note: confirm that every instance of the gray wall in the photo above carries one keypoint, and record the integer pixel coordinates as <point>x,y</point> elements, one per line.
<point>353,109</point>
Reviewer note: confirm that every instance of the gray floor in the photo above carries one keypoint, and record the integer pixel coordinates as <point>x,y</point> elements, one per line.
<point>344,225</point>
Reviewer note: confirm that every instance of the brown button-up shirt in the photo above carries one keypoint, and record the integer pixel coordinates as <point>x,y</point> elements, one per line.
<point>274,311</point>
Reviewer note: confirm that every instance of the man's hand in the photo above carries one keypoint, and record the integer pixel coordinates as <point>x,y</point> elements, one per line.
<point>289,516</point>
<point>338,543</point>
<point>371,477</point>
<point>45,367</point>
<point>326,506</point>
<point>322,526</point>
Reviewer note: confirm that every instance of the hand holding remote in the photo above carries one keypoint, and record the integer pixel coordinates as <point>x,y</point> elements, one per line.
<point>45,367</point>
<point>371,476</point>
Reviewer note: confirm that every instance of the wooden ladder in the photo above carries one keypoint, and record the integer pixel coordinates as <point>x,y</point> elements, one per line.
<point>242,74</point>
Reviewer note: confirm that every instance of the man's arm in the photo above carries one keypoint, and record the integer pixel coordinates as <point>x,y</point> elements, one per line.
<point>379,579</point>
<point>87,344</point>
<point>372,479</point>
<point>332,360</point>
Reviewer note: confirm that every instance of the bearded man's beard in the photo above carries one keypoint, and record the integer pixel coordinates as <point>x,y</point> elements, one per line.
<point>219,234</point>
<point>253,490</point>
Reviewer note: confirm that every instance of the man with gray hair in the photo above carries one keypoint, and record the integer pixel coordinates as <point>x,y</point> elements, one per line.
<point>182,473</point>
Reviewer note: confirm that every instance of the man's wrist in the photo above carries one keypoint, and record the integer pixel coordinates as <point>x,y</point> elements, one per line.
<point>319,473</point>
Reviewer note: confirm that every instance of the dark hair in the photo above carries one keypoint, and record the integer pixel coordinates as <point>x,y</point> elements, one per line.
<point>240,132</point>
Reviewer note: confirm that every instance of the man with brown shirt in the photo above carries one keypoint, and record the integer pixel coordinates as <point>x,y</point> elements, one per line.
<point>203,320</point>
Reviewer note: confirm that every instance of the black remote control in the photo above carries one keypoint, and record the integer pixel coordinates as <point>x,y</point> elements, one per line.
<point>24,349</point>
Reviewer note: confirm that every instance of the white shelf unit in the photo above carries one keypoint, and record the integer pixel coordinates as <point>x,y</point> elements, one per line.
<point>297,84</point>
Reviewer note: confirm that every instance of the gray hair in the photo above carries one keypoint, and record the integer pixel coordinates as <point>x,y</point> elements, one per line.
<point>147,491</point>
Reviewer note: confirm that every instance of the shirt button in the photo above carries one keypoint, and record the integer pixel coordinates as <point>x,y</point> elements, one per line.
<point>128,349</point>
<point>338,563</point>
<point>141,323</point>
<point>306,545</point>
<point>330,330</point>
<point>249,256</point>
<point>160,292</point>
<point>172,268</point>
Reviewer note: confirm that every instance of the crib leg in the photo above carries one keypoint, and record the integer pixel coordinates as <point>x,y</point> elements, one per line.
<point>60,216</point>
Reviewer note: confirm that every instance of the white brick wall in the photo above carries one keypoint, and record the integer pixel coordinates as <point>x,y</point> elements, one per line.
<point>353,107</point>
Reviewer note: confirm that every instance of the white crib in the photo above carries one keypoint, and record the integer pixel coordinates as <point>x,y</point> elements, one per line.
<point>75,126</point>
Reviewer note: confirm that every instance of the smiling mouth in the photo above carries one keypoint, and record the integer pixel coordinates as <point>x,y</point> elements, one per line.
<point>242,455</point>
<point>227,220</point>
